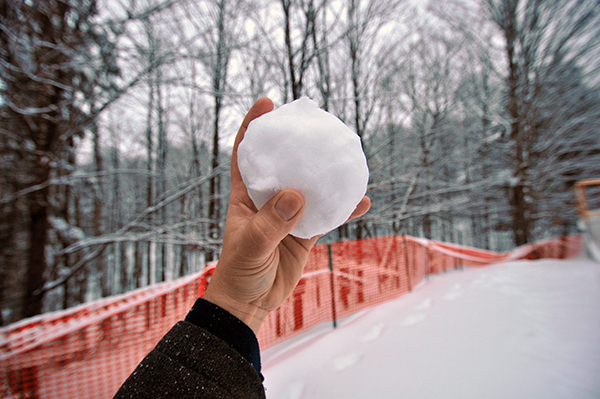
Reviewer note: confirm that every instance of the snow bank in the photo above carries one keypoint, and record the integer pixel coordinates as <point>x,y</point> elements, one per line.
<point>513,330</point>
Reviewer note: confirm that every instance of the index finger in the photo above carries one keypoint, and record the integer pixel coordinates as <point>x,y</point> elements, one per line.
<point>260,107</point>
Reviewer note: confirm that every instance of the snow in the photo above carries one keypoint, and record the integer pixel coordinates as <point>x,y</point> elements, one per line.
<point>525,329</point>
<point>302,147</point>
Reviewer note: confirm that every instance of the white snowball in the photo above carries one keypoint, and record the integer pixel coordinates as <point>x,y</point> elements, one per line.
<point>302,147</point>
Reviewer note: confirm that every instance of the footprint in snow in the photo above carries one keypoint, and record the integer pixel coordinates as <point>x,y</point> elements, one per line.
<point>426,304</point>
<point>414,319</point>
<point>452,295</point>
<point>343,362</point>
<point>295,390</point>
<point>373,333</point>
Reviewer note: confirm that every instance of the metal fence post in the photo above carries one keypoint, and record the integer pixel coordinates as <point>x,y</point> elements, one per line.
<point>332,279</point>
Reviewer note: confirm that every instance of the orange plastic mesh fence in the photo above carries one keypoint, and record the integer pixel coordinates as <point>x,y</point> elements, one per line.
<point>88,351</point>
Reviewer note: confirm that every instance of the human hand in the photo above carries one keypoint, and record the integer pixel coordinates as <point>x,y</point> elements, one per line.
<point>260,264</point>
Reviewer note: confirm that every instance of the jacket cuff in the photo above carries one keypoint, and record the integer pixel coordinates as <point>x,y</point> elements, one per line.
<point>228,328</point>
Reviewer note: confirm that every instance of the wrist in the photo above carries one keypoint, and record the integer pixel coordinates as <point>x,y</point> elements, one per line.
<point>251,315</point>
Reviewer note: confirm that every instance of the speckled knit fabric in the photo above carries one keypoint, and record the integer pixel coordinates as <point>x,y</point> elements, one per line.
<point>190,362</point>
<point>227,327</point>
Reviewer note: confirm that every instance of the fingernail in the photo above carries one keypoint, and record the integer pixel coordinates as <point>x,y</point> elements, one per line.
<point>288,206</point>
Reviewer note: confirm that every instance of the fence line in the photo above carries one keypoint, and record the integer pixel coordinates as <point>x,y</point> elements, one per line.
<point>89,350</point>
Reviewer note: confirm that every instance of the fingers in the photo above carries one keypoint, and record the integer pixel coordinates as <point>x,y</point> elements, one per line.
<point>260,107</point>
<point>362,208</point>
<point>238,189</point>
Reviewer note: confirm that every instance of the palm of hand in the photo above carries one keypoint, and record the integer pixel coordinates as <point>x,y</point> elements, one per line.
<point>265,275</point>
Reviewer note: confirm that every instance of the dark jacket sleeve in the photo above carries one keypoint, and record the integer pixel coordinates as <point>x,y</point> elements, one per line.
<point>220,360</point>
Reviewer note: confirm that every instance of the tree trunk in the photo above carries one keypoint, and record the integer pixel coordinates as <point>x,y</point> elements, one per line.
<point>9,222</point>
<point>483,234</point>
<point>150,142</point>
<point>520,217</point>
<point>219,84</point>
<point>322,53</point>
<point>298,68</point>
<point>82,275</point>
<point>38,237</point>
<point>215,183</point>
<point>161,168</point>
<point>184,230</point>
<point>98,225</point>
<point>287,4</point>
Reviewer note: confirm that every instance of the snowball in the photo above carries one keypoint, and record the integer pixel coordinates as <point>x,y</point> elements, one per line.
<point>302,147</point>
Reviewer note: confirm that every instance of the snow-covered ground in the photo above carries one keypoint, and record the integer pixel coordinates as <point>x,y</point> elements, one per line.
<point>513,330</point>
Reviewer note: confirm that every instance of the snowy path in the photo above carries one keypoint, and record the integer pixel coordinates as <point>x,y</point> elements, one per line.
<point>513,330</point>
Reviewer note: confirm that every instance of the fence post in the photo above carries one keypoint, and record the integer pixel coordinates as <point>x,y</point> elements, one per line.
<point>406,264</point>
<point>428,258</point>
<point>332,279</point>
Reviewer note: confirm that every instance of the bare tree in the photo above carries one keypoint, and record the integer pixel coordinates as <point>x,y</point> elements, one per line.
<point>219,43</point>
<point>299,59</point>
<point>540,37</point>
<point>365,19</point>
<point>44,70</point>
<point>59,63</point>
<point>364,22</point>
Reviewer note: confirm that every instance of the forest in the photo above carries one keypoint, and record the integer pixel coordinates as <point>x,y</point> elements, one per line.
<point>117,119</point>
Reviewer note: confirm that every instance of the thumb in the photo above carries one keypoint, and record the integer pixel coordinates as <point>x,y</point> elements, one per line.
<point>287,206</point>
<point>275,220</point>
